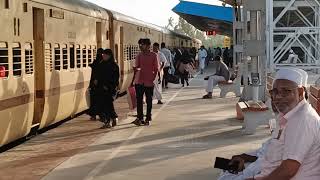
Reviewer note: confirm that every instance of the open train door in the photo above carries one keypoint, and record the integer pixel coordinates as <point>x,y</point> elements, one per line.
<point>38,35</point>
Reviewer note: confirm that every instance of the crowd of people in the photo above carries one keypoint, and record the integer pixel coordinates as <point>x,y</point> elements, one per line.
<point>155,66</point>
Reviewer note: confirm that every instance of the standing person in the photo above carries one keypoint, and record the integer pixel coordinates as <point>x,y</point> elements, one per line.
<point>202,54</point>
<point>222,74</point>
<point>226,56</point>
<point>146,69</point>
<point>92,86</point>
<point>159,79</point>
<point>167,65</point>
<point>183,67</point>
<point>107,81</point>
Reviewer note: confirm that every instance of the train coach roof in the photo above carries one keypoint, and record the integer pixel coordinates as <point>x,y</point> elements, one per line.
<point>124,18</point>
<point>79,6</point>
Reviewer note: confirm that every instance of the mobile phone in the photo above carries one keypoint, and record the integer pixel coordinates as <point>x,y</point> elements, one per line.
<point>222,163</point>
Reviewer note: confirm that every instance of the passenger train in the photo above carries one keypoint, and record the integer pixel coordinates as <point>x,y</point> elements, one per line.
<point>45,49</point>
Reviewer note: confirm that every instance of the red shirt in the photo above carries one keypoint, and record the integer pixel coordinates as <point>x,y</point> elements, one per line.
<point>146,68</point>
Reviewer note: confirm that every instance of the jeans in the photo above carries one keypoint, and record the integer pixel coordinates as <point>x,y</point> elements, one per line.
<point>165,77</point>
<point>140,91</point>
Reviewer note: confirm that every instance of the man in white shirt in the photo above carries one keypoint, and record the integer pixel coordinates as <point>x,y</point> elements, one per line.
<point>158,81</point>
<point>168,55</point>
<point>202,54</point>
<point>294,152</point>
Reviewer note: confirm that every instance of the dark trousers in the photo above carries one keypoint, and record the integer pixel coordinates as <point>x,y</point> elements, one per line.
<point>184,77</point>
<point>165,77</point>
<point>140,91</point>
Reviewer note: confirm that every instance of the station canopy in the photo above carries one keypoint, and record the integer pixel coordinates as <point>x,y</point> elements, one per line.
<point>206,17</point>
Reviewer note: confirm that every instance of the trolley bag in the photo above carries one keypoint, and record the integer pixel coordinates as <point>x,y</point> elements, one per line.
<point>173,79</point>
<point>131,96</point>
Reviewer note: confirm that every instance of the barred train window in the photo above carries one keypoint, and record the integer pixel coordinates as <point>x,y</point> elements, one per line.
<point>65,56</point>
<point>89,55</point>
<point>16,52</point>
<point>126,52</point>
<point>4,63</point>
<point>72,53</point>
<point>28,56</point>
<point>57,57</point>
<point>48,58</point>
<point>84,57</point>
<point>78,56</point>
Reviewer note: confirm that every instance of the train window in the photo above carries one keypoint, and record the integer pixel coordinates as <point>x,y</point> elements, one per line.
<point>130,53</point>
<point>107,35</point>
<point>72,52</point>
<point>28,56</point>
<point>138,28</point>
<point>84,57</point>
<point>57,57</point>
<point>6,4</point>
<point>4,63</point>
<point>16,53</point>
<point>126,53</point>
<point>78,56</point>
<point>25,7</point>
<point>65,56</point>
<point>48,57</point>
<point>89,56</point>
<point>149,31</point>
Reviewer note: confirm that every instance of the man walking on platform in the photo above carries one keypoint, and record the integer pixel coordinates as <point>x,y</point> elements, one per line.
<point>202,54</point>
<point>146,70</point>
<point>167,65</point>
<point>159,79</point>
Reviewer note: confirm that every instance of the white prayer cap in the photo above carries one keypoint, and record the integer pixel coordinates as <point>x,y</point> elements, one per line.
<point>291,51</point>
<point>291,74</point>
<point>304,77</point>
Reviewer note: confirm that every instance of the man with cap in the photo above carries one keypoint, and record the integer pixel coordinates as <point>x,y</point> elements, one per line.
<point>294,151</point>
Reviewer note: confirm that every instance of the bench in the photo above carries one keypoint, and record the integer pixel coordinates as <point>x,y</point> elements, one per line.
<point>254,115</point>
<point>314,97</point>
<point>232,86</point>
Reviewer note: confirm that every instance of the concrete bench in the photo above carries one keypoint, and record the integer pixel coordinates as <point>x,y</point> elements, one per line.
<point>232,86</point>
<point>254,114</point>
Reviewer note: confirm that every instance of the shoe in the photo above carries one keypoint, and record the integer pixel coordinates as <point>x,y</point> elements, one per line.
<point>147,123</point>
<point>182,85</point>
<point>160,102</point>
<point>114,122</point>
<point>207,96</point>
<point>106,125</point>
<point>138,122</point>
<point>188,84</point>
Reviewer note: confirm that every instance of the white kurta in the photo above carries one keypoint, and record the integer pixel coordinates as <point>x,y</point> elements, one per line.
<point>299,141</point>
<point>202,54</point>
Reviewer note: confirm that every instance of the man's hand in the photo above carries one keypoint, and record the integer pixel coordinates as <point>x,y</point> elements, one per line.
<point>238,159</point>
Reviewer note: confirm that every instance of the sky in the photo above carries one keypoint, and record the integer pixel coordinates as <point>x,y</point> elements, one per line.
<point>153,11</point>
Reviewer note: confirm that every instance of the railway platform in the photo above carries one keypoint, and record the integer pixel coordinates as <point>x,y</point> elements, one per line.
<point>185,136</point>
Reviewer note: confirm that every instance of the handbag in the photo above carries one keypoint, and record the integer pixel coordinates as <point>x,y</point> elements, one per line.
<point>131,96</point>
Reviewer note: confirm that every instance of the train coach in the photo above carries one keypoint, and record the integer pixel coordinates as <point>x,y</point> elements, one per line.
<point>46,47</point>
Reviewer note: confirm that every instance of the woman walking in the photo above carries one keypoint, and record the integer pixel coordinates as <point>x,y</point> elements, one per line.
<point>107,82</point>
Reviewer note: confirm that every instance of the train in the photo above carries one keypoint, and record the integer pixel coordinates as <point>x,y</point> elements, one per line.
<point>46,47</point>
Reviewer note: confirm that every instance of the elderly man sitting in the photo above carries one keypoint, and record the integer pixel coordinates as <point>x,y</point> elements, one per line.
<point>294,150</point>
<point>294,153</point>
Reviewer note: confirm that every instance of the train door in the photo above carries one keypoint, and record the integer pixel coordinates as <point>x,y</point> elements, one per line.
<point>99,34</point>
<point>38,35</point>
